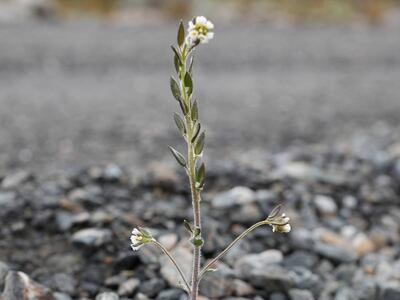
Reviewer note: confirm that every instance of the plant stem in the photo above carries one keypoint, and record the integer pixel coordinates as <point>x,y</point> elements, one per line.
<point>241,236</point>
<point>191,170</point>
<point>175,263</point>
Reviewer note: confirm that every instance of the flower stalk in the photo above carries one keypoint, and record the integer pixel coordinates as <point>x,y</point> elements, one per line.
<point>188,124</point>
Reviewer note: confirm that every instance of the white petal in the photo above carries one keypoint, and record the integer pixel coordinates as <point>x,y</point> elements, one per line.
<point>135,231</point>
<point>136,248</point>
<point>210,25</point>
<point>201,20</point>
<point>286,228</point>
<point>191,25</point>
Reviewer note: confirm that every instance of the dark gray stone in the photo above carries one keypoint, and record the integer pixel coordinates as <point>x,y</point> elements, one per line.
<point>152,287</point>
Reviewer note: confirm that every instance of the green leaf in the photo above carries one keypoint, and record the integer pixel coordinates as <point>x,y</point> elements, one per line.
<point>181,34</point>
<point>191,66</point>
<point>180,124</point>
<point>200,175</point>
<point>176,92</point>
<point>184,107</point>
<point>176,63</point>
<point>196,132</point>
<point>188,83</point>
<point>188,226</point>
<point>178,56</point>
<point>195,111</point>
<point>179,157</point>
<point>198,148</point>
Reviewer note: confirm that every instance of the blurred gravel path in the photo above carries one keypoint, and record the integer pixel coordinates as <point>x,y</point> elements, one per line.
<point>80,93</point>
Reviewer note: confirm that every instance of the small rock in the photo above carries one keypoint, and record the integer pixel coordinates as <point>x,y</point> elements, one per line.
<point>63,283</point>
<point>362,244</point>
<point>4,269</point>
<point>296,294</point>
<point>61,296</point>
<point>269,277</point>
<point>325,205</point>
<point>107,296</point>
<point>112,172</point>
<point>172,294</point>
<point>301,259</point>
<point>335,253</point>
<point>7,199</point>
<point>390,291</point>
<point>92,237</point>
<point>250,261</point>
<point>218,284</point>
<point>19,286</point>
<point>152,287</point>
<point>127,288</point>
<point>237,196</point>
<point>14,180</point>
<point>169,240</point>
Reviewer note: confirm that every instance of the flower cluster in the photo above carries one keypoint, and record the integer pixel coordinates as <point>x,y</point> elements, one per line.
<point>200,31</point>
<point>140,237</point>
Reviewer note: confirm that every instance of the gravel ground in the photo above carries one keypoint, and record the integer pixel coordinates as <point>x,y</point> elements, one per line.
<point>77,93</point>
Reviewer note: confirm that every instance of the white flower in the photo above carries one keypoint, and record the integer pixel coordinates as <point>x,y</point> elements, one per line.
<point>140,237</point>
<point>281,224</point>
<point>200,31</point>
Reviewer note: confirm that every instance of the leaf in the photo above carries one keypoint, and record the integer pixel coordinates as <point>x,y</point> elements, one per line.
<point>191,66</point>
<point>198,148</point>
<point>181,34</point>
<point>179,157</point>
<point>188,226</point>
<point>144,232</point>
<point>176,92</point>
<point>180,124</point>
<point>188,83</point>
<point>275,212</point>
<point>178,56</point>
<point>176,63</point>
<point>200,174</point>
<point>184,107</point>
<point>195,111</point>
<point>196,132</point>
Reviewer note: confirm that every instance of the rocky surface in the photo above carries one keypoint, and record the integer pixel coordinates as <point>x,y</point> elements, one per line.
<point>77,96</point>
<point>70,232</point>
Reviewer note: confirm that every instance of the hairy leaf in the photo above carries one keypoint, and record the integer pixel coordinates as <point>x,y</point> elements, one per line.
<point>195,111</point>
<point>188,83</point>
<point>176,92</point>
<point>181,34</point>
<point>198,148</point>
<point>179,157</point>
<point>196,132</point>
<point>180,124</point>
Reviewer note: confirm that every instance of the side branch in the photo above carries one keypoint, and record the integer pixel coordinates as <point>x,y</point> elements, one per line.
<point>241,236</point>
<point>175,263</point>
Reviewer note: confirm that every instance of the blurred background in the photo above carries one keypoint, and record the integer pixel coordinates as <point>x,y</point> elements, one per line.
<point>300,101</point>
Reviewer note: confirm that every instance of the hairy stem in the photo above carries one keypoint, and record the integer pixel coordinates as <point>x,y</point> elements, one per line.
<point>241,236</point>
<point>191,171</point>
<point>175,263</point>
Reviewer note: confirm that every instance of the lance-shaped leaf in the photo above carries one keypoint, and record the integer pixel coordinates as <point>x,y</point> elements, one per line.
<point>181,34</point>
<point>184,107</point>
<point>176,63</point>
<point>195,111</point>
<point>188,226</point>
<point>176,92</point>
<point>188,83</point>
<point>200,175</point>
<point>178,56</point>
<point>191,66</point>
<point>198,148</point>
<point>179,157</point>
<point>196,132</point>
<point>179,123</point>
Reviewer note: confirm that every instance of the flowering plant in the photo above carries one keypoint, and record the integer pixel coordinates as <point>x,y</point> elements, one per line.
<point>188,124</point>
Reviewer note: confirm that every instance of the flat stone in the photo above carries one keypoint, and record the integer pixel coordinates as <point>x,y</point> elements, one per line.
<point>325,205</point>
<point>19,286</point>
<point>15,179</point>
<point>107,296</point>
<point>390,290</point>
<point>296,294</point>
<point>92,237</point>
<point>184,258</point>
<point>260,259</point>
<point>128,287</point>
<point>334,253</point>
<point>237,196</point>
